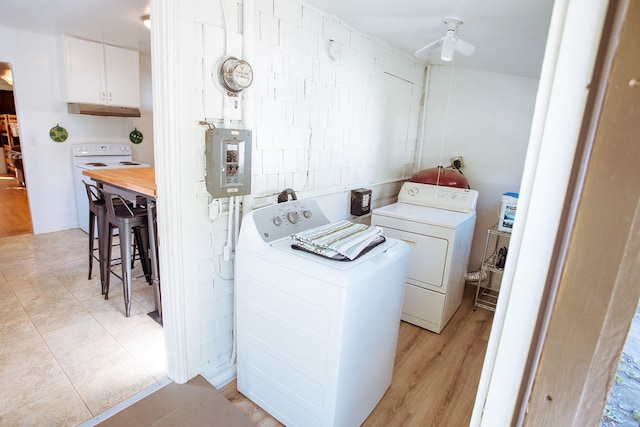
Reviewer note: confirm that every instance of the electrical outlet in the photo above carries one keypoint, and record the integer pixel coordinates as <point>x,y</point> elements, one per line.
<point>459,159</point>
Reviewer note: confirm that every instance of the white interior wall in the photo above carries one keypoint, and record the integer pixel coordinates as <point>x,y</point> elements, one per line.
<point>485,118</point>
<point>39,106</point>
<point>143,152</point>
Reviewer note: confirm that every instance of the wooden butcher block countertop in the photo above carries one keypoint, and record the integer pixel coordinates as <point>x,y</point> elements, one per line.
<point>139,180</point>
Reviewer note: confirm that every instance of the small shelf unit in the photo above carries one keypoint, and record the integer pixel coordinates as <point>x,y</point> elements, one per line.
<point>488,286</point>
<point>10,139</point>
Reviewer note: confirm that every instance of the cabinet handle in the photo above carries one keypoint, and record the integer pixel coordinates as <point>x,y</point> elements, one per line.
<point>103,96</point>
<point>110,96</point>
<point>409,241</point>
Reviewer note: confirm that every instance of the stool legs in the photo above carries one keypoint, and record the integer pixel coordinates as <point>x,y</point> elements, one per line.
<point>125,256</point>
<point>129,219</point>
<point>106,262</point>
<point>126,253</point>
<point>92,219</point>
<point>102,233</point>
<point>153,256</point>
<point>99,225</point>
<point>141,243</point>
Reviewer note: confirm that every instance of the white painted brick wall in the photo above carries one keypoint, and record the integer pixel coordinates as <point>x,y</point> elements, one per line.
<point>332,29</point>
<point>263,6</point>
<point>289,11</point>
<point>318,126</point>
<point>268,29</point>
<point>289,36</point>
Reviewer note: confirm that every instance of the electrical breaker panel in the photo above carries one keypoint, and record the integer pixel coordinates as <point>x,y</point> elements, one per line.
<point>228,162</point>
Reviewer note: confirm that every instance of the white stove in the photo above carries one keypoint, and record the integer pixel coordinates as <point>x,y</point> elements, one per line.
<point>97,156</point>
<point>104,156</point>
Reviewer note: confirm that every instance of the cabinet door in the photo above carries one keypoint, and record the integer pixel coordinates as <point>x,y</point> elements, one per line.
<point>123,76</point>
<point>84,71</point>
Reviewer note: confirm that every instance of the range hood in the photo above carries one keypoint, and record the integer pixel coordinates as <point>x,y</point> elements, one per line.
<point>102,110</point>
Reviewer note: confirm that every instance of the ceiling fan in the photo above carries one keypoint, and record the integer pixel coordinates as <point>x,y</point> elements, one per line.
<point>450,42</point>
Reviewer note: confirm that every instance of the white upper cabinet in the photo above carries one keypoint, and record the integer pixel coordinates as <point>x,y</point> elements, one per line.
<point>96,73</point>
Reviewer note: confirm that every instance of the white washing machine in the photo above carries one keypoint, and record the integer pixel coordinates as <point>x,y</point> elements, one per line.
<point>437,222</point>
<point>316,337</point>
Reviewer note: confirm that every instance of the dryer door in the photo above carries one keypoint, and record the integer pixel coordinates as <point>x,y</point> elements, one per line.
<point>427,257</point>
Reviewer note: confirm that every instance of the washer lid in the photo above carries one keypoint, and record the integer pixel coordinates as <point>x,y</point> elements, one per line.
<point>424,214</point>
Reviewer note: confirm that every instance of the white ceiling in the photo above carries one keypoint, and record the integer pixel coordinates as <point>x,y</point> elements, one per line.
<point>115,22</point>
<point>509,36</point>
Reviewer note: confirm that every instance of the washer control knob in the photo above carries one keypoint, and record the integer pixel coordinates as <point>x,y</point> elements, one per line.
<point>292,217</point>
<point>306,213</point>
<point>277,221</point>
<point>412,191</point>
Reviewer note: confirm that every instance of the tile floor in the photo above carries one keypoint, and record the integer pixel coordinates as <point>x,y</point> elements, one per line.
<point>66,354</point>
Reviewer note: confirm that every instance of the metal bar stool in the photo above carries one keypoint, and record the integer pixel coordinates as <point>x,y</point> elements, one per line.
<point>97,211</point>
<point>150,205</point>
<point>130,220</point>
<point>97,216</point>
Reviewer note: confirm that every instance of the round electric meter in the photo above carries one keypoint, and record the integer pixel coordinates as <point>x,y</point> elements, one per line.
<point>235,75</point>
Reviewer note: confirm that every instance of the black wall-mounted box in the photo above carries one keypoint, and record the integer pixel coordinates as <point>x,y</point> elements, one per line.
<point>360,201</point>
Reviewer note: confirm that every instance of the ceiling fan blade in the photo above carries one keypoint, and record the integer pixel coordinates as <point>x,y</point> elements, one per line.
<point>428,48</point>
<point>464,48</point>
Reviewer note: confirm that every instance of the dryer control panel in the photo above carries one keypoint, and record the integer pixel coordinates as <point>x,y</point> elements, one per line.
<point>277,221</point>
<point>439,197</point>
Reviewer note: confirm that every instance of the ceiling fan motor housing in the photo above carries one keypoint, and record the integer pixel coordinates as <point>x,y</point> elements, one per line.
<point>452,23</point>
<point>448,46</point>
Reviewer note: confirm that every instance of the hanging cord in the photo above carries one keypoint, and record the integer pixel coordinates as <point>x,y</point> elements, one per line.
<point>307,160</point>
<point>210,125</point>
<point>446,119</point>
<point>228,247</point>
<point>225,19</point>
<point>217,262</point>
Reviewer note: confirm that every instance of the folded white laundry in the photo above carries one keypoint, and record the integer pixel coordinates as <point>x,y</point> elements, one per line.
<point>338,240</point>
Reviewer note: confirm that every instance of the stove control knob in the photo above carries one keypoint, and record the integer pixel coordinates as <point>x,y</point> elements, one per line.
<point>277,221</point>
<point>306,213</point>
<point>292,217</point>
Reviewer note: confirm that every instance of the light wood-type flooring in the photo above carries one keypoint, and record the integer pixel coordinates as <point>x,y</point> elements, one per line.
<point>435,376</point>
<point>14,208</point>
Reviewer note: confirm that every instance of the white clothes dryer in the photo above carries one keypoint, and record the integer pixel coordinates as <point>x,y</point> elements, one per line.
<point>438,224</point>
<point>316,337</point>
